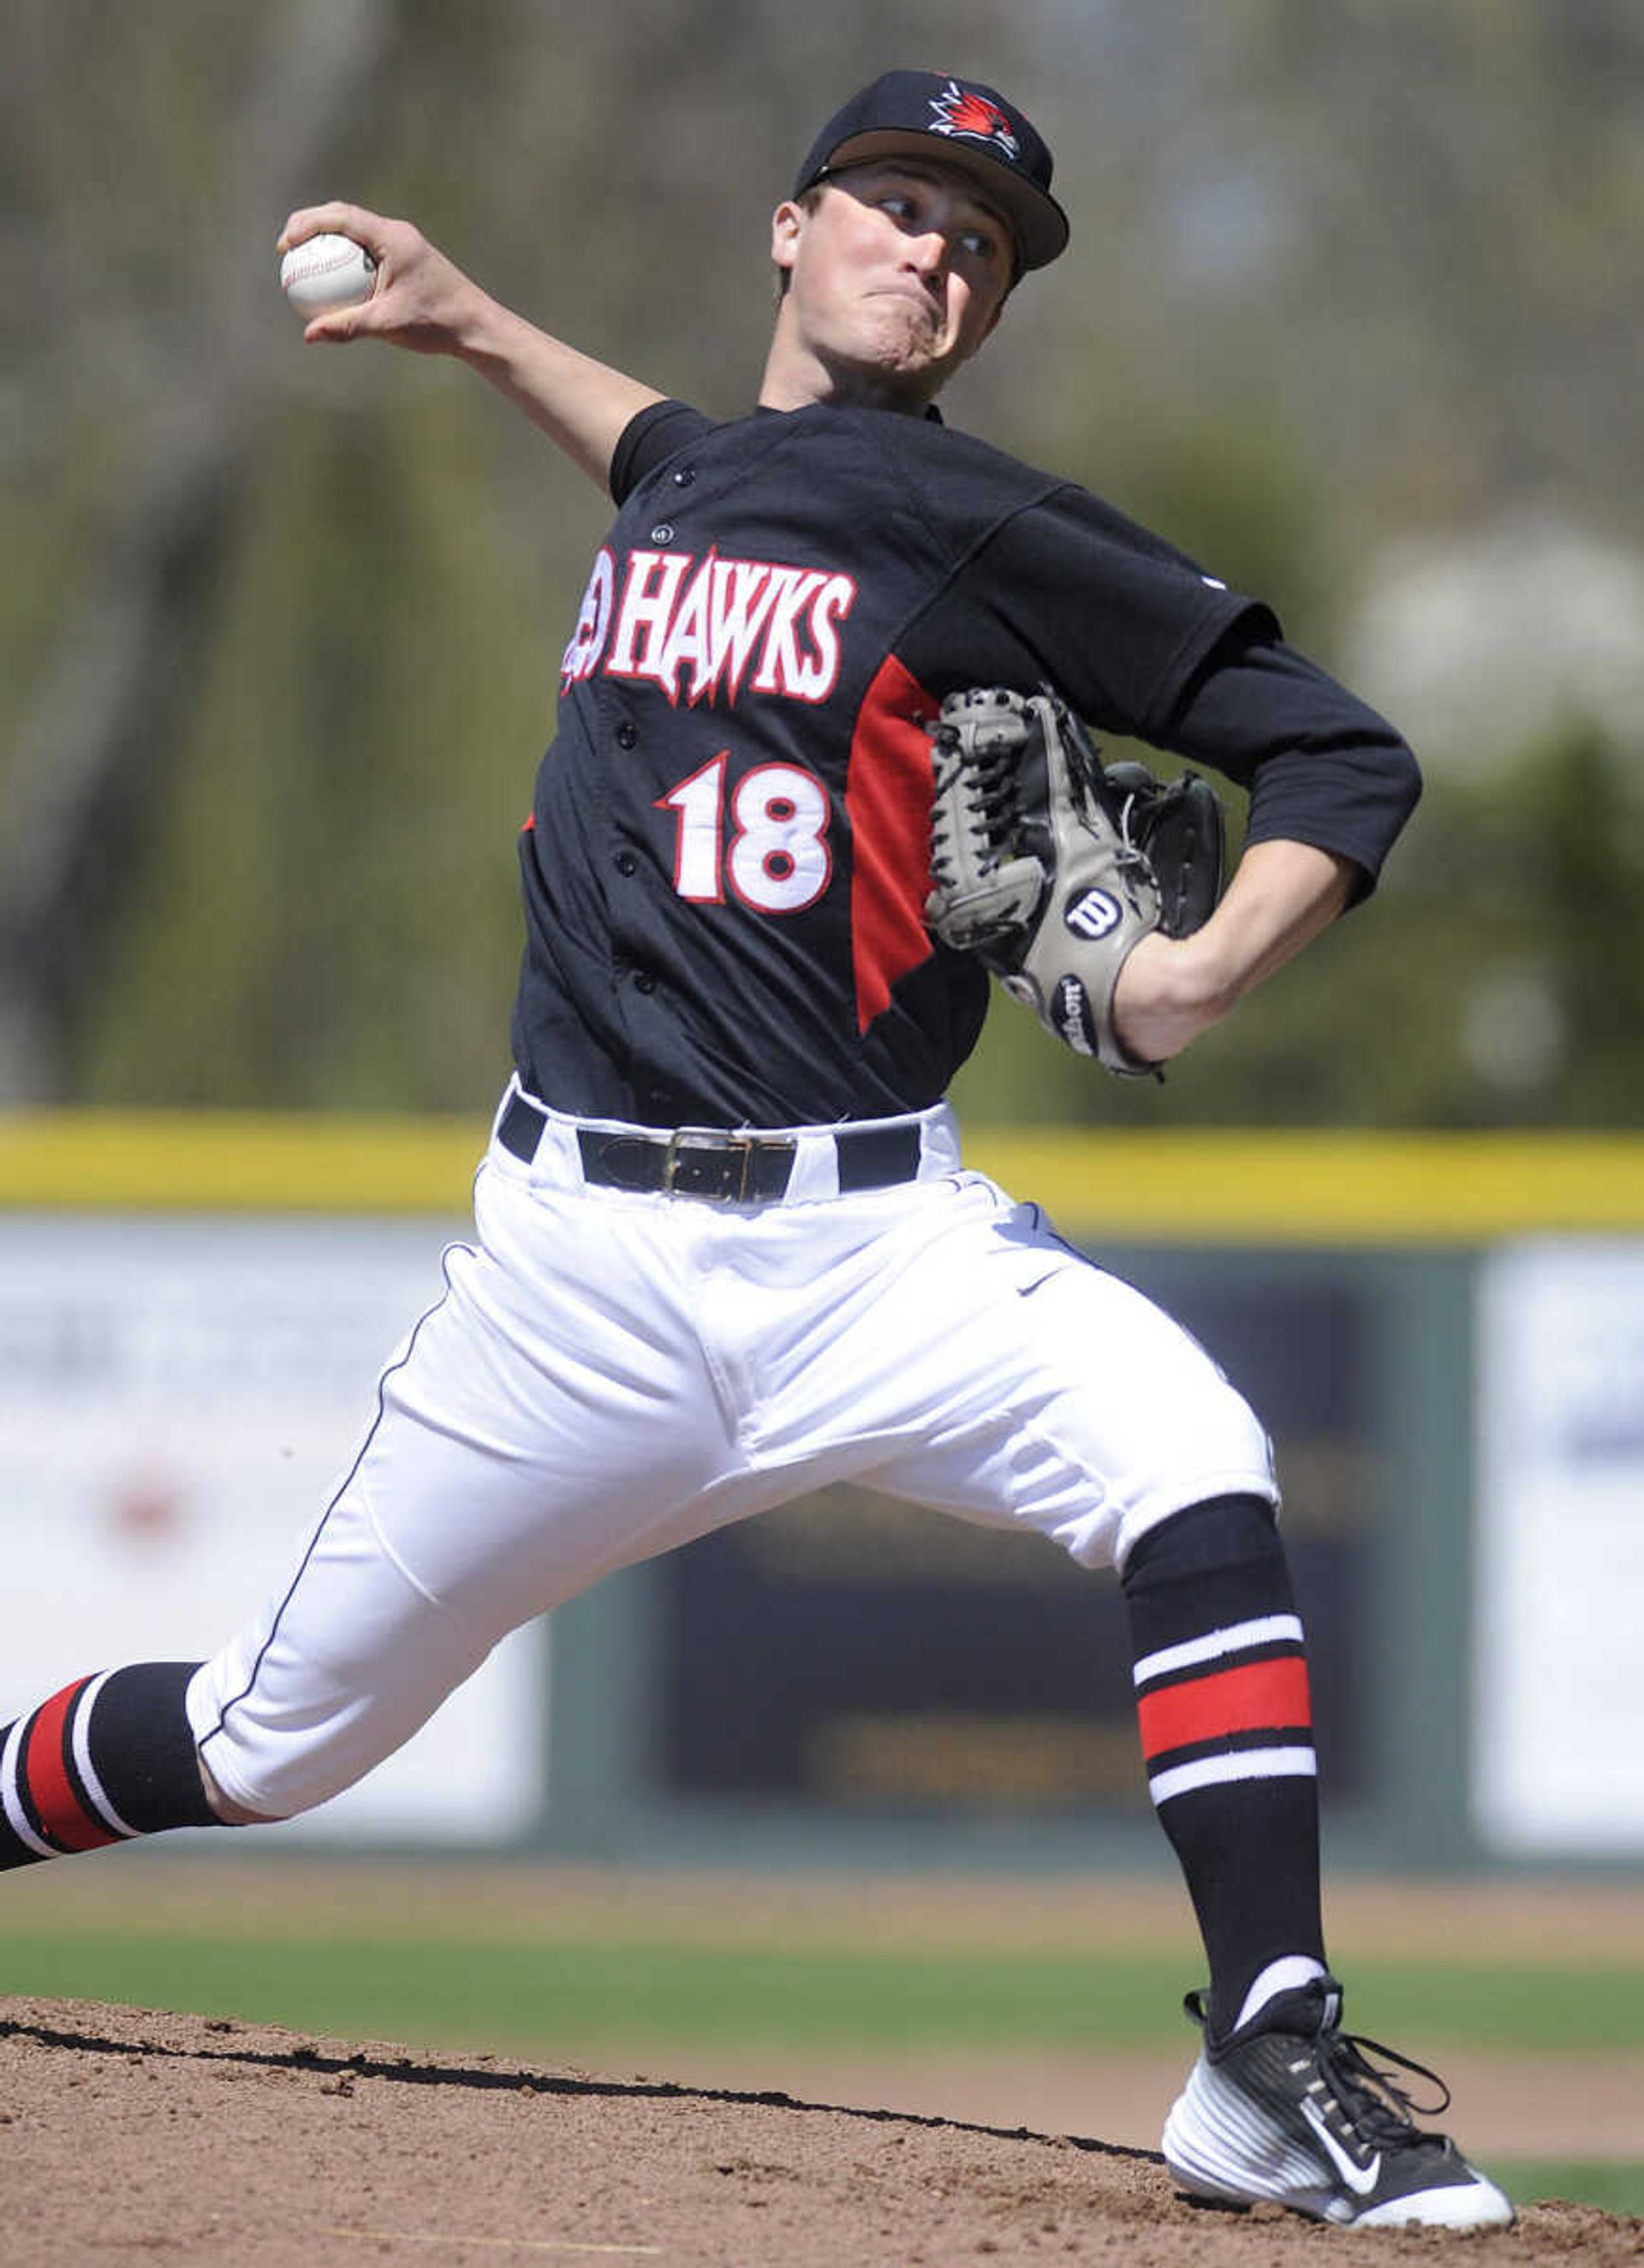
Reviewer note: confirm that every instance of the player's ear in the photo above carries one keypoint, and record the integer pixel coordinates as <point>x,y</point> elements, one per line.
<point>787,225</point>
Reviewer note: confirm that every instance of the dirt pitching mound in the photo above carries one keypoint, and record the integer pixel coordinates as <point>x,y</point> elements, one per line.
<point>129,2134</point>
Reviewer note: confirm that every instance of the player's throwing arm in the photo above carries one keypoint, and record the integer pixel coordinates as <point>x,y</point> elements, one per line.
<point>421,300</point>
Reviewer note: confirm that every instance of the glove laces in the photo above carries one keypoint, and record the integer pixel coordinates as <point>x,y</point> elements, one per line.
<point>1132,857</point>
<point>986,785</point>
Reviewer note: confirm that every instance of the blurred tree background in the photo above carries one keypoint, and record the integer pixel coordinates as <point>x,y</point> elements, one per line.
<point>1350,314</point>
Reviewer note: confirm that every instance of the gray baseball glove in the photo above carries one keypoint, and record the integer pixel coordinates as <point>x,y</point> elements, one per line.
<point>1051,868</point>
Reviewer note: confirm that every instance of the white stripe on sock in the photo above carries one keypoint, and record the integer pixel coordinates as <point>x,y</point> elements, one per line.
<point>1238,1637</point>
<point>80,1741</point>
<point>16,1818</point>
<point>1233,1765</point>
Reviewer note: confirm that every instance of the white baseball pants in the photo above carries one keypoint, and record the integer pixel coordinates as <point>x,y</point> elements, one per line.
<point>609,1374</point>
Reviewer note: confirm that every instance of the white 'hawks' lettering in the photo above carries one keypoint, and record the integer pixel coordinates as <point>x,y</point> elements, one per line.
<point>697,628</point>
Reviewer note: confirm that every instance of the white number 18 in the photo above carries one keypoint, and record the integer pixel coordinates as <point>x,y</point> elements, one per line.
<point>777,858</point>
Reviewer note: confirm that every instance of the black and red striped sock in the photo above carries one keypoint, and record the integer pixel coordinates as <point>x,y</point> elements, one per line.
<point>1221,1696</point>
<point>108,1758</point>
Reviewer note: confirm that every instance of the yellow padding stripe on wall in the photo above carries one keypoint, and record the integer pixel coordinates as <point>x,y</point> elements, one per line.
<point>1277,1188</point>
<point>211,1162</point>
<point>1240,1187</point>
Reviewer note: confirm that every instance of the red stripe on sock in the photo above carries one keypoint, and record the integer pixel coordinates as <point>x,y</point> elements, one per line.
<point>62,1816</point>
<point>1262,1696</point>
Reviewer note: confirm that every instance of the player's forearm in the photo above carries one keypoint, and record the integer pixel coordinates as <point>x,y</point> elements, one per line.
<point>1282,895</point>
<point>426,303</point>
<point>582,405</point>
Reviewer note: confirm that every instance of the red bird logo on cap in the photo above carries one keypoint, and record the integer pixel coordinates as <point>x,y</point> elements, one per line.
<point>960,111</point>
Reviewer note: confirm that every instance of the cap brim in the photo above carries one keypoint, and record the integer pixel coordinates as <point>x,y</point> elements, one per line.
<point>1039,222</point>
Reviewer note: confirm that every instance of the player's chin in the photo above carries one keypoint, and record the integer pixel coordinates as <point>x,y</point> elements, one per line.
<point>912,364</point>
<point>903,337</point>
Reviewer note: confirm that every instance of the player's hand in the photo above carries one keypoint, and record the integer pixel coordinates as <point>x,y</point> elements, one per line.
<point>1168,991</point>
<point>422,300</point>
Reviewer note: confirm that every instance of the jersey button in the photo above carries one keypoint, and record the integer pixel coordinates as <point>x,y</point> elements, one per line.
<point>626,735</point>
<point>663,533</point>
<point>644,981</point>
<point>626,862</point>
<point>684,478</point>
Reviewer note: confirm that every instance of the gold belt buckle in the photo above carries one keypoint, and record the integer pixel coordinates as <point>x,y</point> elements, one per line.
<point>741,1146</point>
<point>682,1138</point>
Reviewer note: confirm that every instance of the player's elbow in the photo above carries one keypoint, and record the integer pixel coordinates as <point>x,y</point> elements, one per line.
<point>1403,779</point>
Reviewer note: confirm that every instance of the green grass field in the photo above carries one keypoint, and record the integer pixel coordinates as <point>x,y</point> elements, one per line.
<point>584,2001</point>
<point>587,1998</point>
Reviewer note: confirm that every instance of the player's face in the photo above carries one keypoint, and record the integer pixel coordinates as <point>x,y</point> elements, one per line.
<point>896,275</point>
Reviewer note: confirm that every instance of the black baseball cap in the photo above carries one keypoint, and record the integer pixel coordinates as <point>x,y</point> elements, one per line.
<point>960,122</point>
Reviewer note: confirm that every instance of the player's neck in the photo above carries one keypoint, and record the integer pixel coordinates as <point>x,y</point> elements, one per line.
<point>802,378</point>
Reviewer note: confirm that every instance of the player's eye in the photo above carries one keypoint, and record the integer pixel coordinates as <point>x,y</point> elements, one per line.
<point>980,243</point>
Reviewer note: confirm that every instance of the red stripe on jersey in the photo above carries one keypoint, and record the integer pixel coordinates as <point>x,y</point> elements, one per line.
<point>42,1770</point>
<point>887,801</point>
<point>1264,1695</point>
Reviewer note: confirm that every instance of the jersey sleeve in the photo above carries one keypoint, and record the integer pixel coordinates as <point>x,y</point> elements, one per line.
<point>1320,765</point>
<point>1142,642</point>
<point>1122,619</point>
<point>655,434</point>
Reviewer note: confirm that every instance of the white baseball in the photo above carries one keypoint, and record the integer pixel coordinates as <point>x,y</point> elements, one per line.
<point>327,272</point>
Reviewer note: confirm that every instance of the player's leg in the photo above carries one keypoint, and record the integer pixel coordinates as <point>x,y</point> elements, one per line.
<point>1219,1668</point>
<point>548,1420</point>
<point>1281,2104</point>
<point>1073,1405</point>
<point>1031,1388</point>
<point>1057,1397</point>
<point>356,1654</point>
<point>551,1420</point>
<point>108,1758</point>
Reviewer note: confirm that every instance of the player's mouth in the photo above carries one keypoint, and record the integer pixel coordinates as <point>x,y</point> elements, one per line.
<point>930,309</point>
<point>908,287</point>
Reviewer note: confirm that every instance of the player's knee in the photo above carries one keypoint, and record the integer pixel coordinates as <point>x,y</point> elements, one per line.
<point>231,1813</point>
<point>258,1778</point>
<point>1209,1573</point>
<point>1222,1533</point>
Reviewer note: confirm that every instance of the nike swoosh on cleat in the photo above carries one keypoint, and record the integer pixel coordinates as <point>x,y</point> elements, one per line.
<point>1359,2179</point>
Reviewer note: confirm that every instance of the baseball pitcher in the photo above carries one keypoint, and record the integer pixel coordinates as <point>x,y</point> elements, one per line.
<point>819,773</point>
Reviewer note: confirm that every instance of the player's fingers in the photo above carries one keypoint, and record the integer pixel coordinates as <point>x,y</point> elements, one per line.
<point>338,325</point>
<point>330,330</point>
<point>336,218</point>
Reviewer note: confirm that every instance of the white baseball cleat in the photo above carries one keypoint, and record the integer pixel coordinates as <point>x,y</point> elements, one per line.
<point>1289,2110</point>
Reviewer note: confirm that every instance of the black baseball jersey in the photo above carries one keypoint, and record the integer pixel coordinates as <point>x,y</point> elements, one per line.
<point>727,858</point>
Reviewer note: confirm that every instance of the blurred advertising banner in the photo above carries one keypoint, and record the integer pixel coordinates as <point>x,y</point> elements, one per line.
<point>1558,1713</point>
<point>179,1398</point>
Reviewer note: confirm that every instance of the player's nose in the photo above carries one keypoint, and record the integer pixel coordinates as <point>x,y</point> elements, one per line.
<point>926,252</point>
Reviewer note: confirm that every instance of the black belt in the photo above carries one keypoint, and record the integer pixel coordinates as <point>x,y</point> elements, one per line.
<point>732,1168</point>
